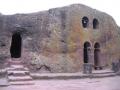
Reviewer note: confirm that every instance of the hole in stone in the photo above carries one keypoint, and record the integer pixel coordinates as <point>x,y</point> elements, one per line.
<point>95,23</point>
<point>86,49</point>
<point>97,55</point>
<point>15,48</point>
<point>85,22</point>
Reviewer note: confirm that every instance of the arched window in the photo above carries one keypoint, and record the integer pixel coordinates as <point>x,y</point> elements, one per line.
<point>85,22</point>
<point>97,45</point>
<point>86,51</point>
<point>95,23</point>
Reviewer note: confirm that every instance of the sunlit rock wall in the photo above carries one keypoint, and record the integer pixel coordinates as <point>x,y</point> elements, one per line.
<point>55,38</point>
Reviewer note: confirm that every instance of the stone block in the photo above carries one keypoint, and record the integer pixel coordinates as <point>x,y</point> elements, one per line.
<point>115,66</point>
<point>87,68</point>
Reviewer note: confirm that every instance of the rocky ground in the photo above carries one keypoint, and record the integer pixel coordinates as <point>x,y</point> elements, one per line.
<point>108,83</point>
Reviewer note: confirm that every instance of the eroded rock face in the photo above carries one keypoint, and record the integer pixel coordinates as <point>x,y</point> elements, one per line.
<point>56,38</point>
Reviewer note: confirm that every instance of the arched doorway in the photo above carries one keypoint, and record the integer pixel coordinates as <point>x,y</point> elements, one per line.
<point>15,48</point>
<point>86,51</point>
<point>97,56</point>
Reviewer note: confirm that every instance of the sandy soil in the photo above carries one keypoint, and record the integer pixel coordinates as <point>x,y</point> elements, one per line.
<point>109,83</point>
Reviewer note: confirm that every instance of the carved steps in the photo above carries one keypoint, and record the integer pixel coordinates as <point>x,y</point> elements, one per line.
<point>18,74</point>
<point>19,78</point>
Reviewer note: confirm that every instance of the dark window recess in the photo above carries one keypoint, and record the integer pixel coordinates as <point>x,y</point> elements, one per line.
<point>95,24</point>
<point>85,22</point>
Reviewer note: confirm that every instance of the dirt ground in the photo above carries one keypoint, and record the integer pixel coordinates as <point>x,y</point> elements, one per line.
<point>109,83</point>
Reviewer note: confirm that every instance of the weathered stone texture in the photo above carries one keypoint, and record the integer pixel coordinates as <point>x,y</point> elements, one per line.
<point>56,37</point>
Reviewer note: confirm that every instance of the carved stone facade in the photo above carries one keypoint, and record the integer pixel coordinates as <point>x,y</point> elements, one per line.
<point>60,39</point>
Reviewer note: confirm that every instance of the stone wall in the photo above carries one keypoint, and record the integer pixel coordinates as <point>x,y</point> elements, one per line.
<point>55,38</point>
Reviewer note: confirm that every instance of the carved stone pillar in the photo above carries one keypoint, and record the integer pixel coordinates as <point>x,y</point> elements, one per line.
<point>91,56</point>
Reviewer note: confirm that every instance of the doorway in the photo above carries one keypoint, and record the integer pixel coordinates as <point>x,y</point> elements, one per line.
<point>97,55</point>
<point>86,52</point>
<point>15,48</point>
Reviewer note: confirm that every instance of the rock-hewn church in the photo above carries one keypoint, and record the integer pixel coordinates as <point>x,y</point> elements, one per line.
<point>60,39</point>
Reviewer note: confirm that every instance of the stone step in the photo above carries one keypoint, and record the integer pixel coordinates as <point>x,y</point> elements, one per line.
<point>15,62</point>
<point>22,83</point>
<point>10,68</point>
<point>101,75</point>
<point>19,78</point>
<point>78,75</point>
<point>17,66</point>
<point>3,82</point>
<point>18,73</point>
<point>18,69</point>
<point>102,71</point>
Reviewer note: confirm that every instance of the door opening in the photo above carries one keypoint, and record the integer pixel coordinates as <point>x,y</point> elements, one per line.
<point>97,55</point>
<point>86,50</point>
<point>15,48</point>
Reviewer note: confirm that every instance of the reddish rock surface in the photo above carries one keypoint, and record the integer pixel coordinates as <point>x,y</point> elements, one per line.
<point>55,38</point>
